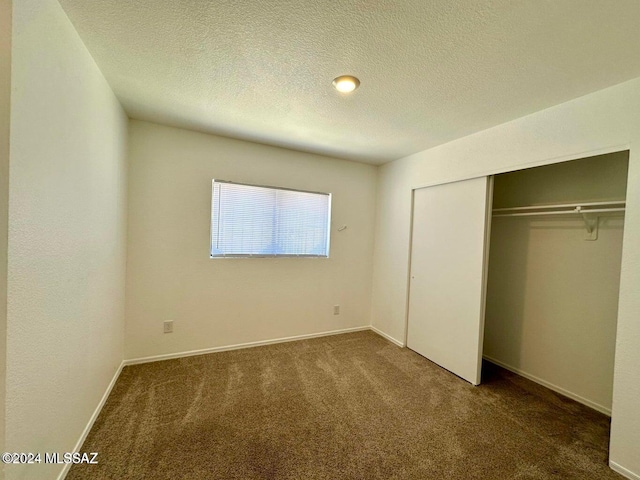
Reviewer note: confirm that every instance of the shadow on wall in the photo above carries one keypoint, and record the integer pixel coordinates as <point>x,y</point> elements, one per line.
<point>506,290</point>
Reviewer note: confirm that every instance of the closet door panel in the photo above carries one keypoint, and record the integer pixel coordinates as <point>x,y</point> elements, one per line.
<point>448,274</point>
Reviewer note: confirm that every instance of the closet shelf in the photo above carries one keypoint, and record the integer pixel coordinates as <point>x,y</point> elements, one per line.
<point>561,209</point>
<point>586,210</point>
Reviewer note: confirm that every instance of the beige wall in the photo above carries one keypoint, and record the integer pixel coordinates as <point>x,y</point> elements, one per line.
<point>552,296</point>
<point>5,97</point>
<point>225,302</point>
<point>67,225</point>
<point>607,120</point>
<point>600,178</point>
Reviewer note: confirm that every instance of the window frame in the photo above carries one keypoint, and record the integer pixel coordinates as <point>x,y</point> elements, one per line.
<point>273,255</point>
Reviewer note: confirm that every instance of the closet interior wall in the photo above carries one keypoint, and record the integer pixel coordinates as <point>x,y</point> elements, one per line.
<point>552,295</point>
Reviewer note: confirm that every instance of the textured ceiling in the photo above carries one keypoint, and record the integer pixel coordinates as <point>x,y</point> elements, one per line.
<point>431,70</point>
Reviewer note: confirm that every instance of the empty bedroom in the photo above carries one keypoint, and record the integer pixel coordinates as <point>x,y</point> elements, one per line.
<point>319,240</point>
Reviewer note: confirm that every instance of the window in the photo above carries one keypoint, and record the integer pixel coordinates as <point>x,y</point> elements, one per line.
<point>253,221</point>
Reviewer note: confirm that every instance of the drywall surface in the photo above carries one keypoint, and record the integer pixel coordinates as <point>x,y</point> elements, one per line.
<point>219,302</point>
<point>5,104</point>
<point>552,296</point>
<point>67,226</point>
<point>607,120</point>
<point>600,178</point>
<point>552,303</point>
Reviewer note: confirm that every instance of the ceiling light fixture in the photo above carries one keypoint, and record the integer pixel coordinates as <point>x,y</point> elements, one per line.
<point>346,83</point>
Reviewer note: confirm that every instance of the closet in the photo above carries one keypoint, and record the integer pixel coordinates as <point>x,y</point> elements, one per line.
<point>554,274</point>
<point>523,269</point>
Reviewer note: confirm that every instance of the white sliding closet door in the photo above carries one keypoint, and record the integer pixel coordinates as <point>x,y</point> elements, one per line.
<point>449,249</point>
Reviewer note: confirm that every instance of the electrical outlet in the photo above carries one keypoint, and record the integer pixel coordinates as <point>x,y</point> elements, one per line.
<point>336,309</point>
<point>168,326</point>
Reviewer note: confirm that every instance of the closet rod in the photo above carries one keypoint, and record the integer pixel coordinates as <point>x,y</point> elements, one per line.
<point>564,212</point>
<point>565,205</point>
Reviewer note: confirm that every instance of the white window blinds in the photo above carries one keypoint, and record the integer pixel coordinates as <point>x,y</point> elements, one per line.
<point>248,220</point>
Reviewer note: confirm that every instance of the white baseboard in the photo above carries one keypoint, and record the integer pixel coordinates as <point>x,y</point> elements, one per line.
<point>92,420</point>
<point>551,386</point>
<point>388,337</point>
<point>623,471</point>
<point>190,353</point>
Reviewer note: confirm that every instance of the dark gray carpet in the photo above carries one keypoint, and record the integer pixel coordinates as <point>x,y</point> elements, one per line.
<point>350,406</point>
